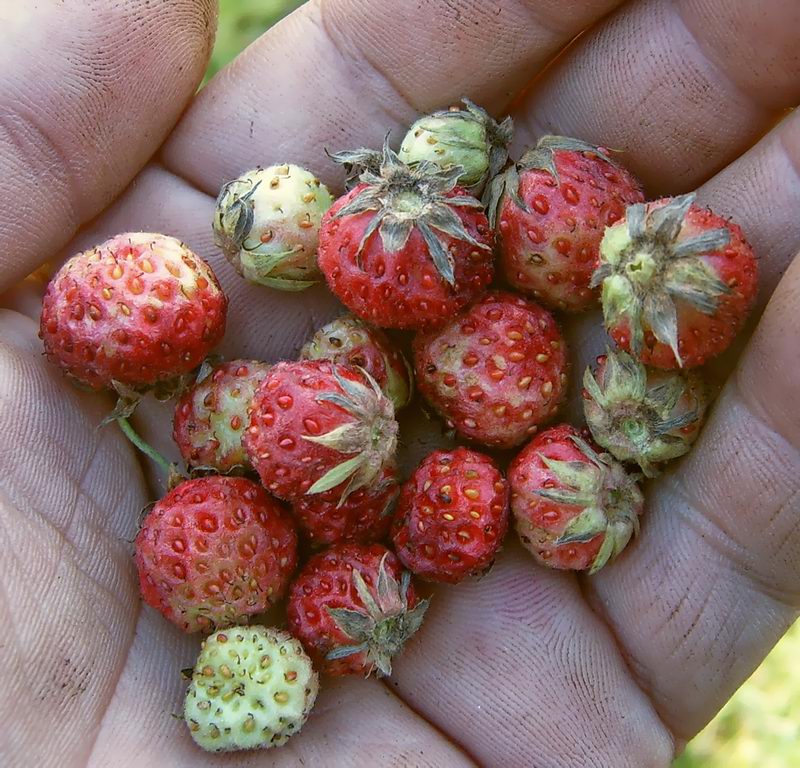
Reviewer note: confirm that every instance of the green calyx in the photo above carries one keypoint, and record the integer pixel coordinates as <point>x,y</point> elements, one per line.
<point>401,198</point>
<point>267,224</point>
<point>647,417</point>
<point>540,158</point>
<point>467,137</point>
<point>370,439</point>
<point>356,162</point>
<point>610,497</point>
<point>647,265</point>
<point>345,339</point>
<point>385,623</point>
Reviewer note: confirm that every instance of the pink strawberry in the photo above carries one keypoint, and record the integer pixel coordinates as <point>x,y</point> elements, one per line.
<point>316,426</point>
<point>133,312</point>
<point>645,416</point>
<point>496,372</point>
<point>574,508</point>
<point>211,417</point>
<point>452,516</point>
<point>678,282</point>
<point>550,210</point>
<point>363,517</point>
<point>406,248</point>
<point>353,608</point>
<point>351,341</point>
<point>214,551</point>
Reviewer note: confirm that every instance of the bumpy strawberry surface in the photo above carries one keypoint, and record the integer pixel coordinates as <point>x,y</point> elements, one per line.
<point>574,507</point>
<point>640,415</point>
<point>452,516</point>
<point>353,608</point>
<point>406,249</point>
<point>211,416</point>
<point>315,426</point>
<point>138,309</point>
<point>214,551</point>
<point>678,282</point>
<point>565,193</point>
<point>252,687</point>
<point>496,372</point>
<point>351,341</point>
<point>363,517</point>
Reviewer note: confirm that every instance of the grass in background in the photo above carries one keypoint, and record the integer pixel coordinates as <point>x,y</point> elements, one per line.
<point>760,725</point>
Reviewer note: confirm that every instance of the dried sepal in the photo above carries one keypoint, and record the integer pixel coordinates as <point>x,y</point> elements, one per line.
<point>385,623</point>
<point>646,266</point>
<point>401,198</point>
<point>640,415</point>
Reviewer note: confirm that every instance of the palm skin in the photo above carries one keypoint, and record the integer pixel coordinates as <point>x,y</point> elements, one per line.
<point>525,667</point>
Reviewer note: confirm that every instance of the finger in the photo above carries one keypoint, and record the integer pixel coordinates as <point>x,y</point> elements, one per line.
<point>355,723</point>
<point>519,670</point>
<point>683,87</point>
<point>68,598</point>
<point>715,580</point>
<point>88,92</point>
<point>341,73</point>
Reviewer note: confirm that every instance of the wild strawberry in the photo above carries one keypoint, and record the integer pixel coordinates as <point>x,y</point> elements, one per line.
<point>316,426</point>
<point>363,517</point>
<point>496,372</point>
<point>574,508</point>
<point>353,608</point>
<point>678,282</point>
<point>351,341</point>
<point>452,516</point>
<point>215,551</point>
<point>467,137</point>
<point>252,687</point>
<point>406,248</point>
<point>641,415</point>
<point>267,224</point>
<point>211,416</point>
<point>133,312</point>
<point>550,210</point>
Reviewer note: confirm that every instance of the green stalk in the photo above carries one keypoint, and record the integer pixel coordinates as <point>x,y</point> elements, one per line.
<point>144,446</point>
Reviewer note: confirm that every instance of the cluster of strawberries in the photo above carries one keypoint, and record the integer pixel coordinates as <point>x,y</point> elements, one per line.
<point>411,246</point>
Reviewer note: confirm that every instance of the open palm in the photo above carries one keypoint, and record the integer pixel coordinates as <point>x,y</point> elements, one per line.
<point>525,667</point>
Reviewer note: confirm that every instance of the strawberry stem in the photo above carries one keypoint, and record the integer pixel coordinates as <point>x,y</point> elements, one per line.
<point>144,446</point>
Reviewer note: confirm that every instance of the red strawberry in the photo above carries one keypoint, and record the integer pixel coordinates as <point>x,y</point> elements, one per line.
<point>363,517</point>
<point>136,310</point>
<point>452,516</point>
<point>550,211</point>
<point>353,608</point>
<point>645,416</point>
<point>317,426</point>
<point>214,551</point>
<point>406,248</point>
<point>574,508</point>
<point>678,282</point>
<point>211,417</point>
<point>351,341</point>
<point>496,372</point>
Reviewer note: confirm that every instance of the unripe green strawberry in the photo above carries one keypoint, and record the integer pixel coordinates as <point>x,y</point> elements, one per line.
<point>351,341</point>
<point>467,137</point>
<point>641,415</point>
<point>267,224</point>
<point>252,687</point>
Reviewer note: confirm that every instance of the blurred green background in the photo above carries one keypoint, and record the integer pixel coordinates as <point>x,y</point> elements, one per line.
<point>760,725</point>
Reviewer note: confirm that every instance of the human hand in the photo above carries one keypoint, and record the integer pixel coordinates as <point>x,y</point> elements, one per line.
<point>525,666</point>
